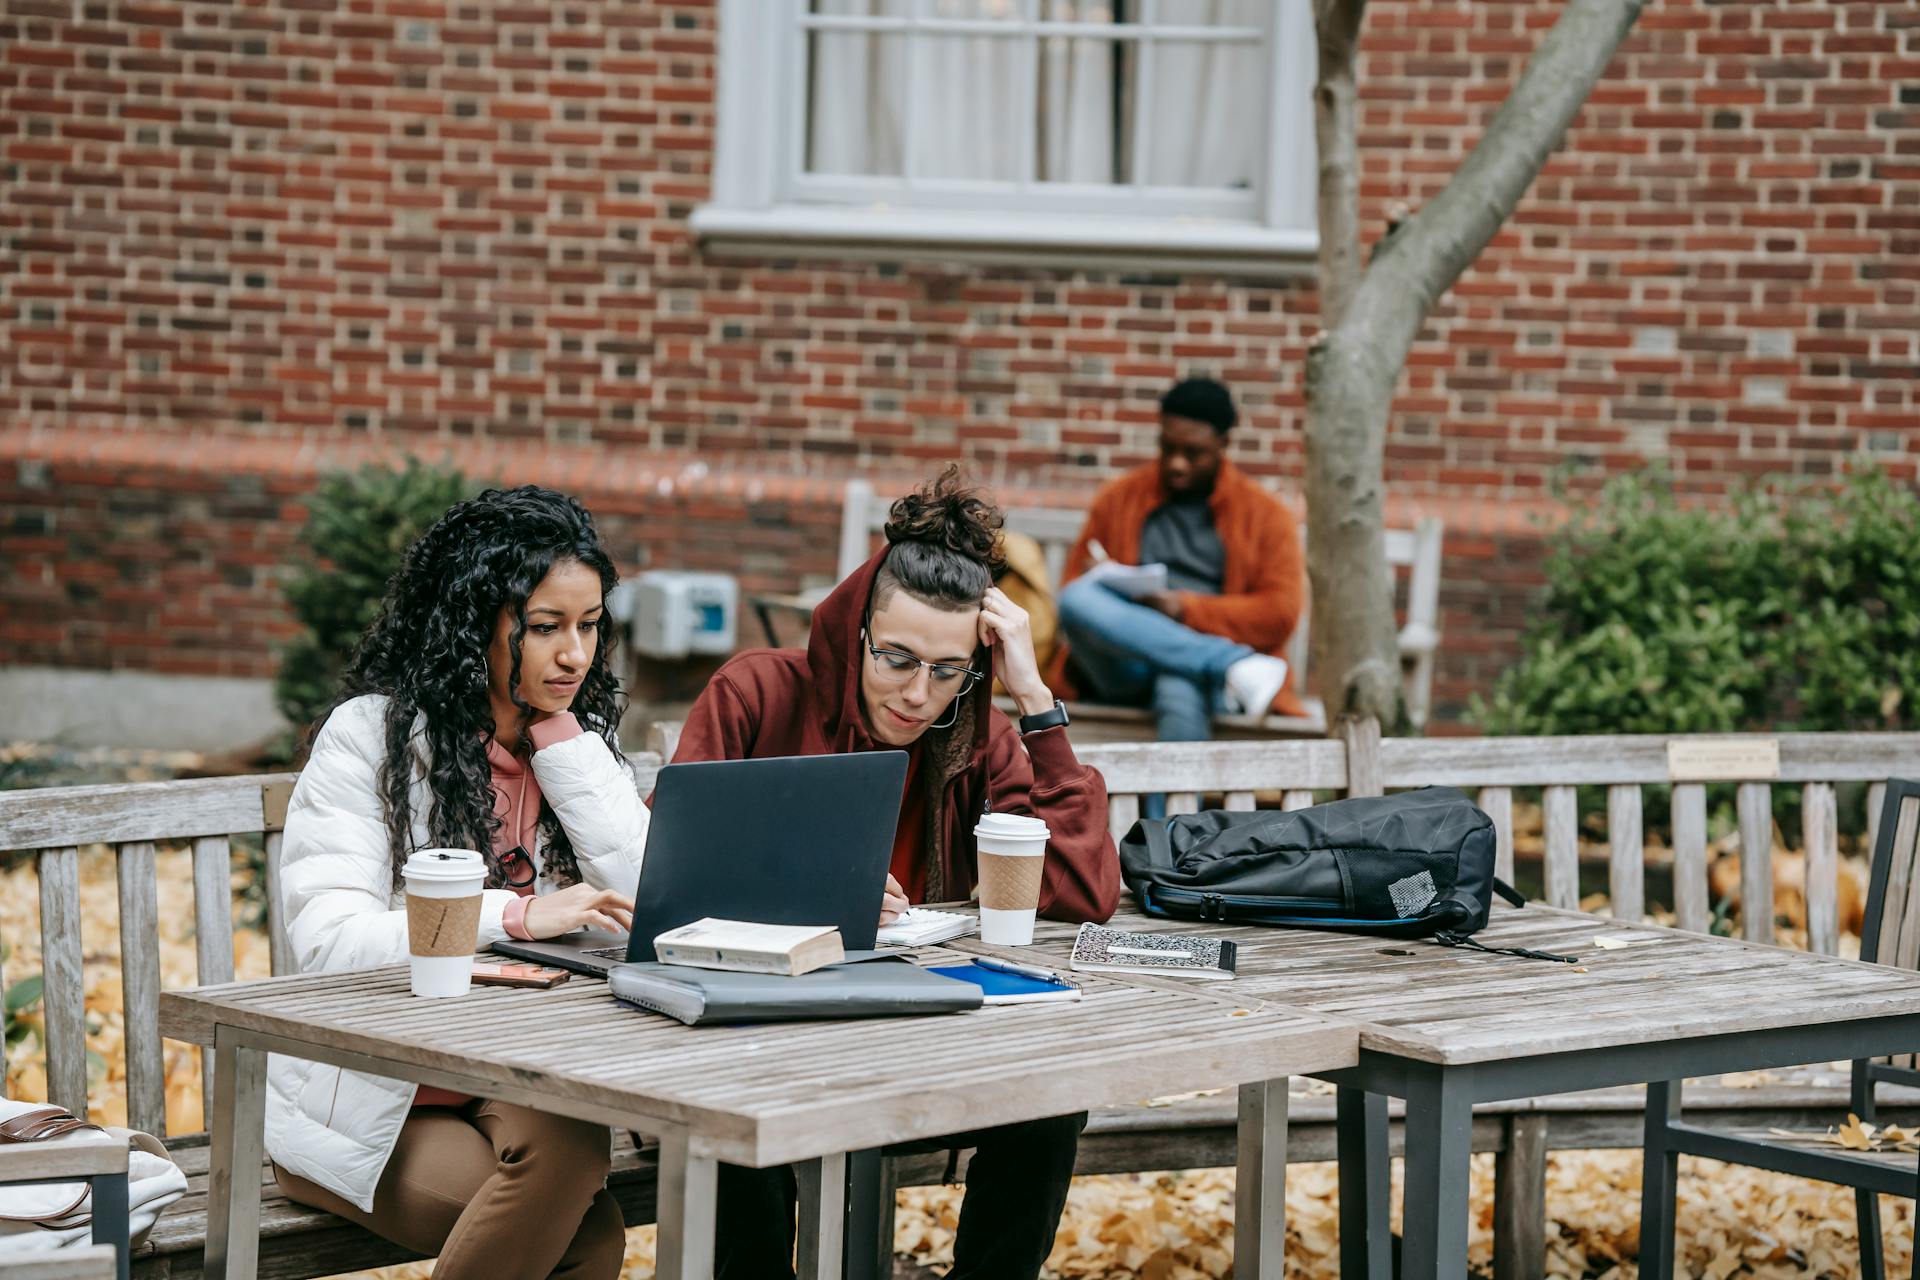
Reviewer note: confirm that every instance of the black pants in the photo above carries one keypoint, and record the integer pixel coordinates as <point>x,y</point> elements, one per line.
<point>1016,1188</point>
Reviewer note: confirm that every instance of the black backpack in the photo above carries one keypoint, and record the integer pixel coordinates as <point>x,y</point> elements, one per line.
<point>1412,865</point>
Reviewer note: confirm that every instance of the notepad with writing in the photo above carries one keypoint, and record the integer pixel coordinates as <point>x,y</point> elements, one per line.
<point>921,927</point>
<point>1099,949</point>
<point>997,986</point>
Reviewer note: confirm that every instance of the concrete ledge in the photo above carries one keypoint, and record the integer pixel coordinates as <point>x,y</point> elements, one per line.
<point>135,709</point>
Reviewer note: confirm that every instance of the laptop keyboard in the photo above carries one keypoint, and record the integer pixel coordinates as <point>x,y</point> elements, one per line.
<point>606,953</point>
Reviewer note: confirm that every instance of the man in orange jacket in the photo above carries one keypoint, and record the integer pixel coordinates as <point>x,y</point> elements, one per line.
<point>1211,641</point>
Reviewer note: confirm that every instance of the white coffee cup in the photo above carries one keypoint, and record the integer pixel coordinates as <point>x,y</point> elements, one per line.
<point>443,918</point>
<point>1012,850</point>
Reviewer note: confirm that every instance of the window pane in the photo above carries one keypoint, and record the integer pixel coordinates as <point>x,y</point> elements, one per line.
<point>1207,120</point>
<point>1208,13</point>
<point>1085,130</point>
<point>972,100</point>
<point>856,100</point>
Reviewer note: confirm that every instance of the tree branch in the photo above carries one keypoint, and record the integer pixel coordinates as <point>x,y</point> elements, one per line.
<point>1337,25</point>
<point>1430,252</point>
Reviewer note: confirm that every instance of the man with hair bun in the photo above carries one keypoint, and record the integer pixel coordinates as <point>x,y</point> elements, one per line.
<point>903,656</point>
<point>1236,581</point>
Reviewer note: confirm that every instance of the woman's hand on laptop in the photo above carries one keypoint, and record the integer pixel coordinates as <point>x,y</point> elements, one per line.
<point>578,906</point>
<point>893,902</point>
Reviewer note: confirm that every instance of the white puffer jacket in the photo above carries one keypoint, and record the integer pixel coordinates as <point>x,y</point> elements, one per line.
<point>337,1128</point>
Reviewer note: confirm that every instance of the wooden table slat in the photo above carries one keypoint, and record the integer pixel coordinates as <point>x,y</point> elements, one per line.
<point>784,1091</point>
<point>1443,1005</point>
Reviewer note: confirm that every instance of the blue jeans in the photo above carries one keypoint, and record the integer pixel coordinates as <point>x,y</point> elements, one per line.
<point>1136,656</point>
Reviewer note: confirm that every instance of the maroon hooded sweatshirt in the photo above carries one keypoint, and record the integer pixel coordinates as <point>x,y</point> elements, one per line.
<point>785,702</point>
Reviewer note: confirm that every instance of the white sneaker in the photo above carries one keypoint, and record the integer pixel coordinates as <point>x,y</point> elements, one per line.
<point>1254,682</point>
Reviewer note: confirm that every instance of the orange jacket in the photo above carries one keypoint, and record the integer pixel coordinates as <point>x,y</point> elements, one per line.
<point>1264,585</point>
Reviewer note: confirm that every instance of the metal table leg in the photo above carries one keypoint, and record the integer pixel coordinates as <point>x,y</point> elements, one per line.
<point>1520,1200</point>
<point>110,1224</point>
<point>823,1217</point>
<point>1260,1186</point>
<point>233,1172</point>
<point>1360,1136</point>
<point>1439,1158</point>
<point>870,1189</point>
<point>689,1187</point>
<point>1660,1170</point>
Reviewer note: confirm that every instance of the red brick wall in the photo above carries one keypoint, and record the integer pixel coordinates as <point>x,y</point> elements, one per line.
<point>321,226</point>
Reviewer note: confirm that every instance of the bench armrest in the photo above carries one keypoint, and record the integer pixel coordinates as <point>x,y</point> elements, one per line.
<point>87,1262</point>
<point>802,602</point>
<point>74,1156</point>
<point>1417,639</point>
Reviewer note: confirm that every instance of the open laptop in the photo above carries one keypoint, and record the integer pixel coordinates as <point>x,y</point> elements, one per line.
<point>784,840</point>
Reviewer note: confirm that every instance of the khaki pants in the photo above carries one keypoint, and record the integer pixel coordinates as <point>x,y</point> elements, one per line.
<point>496,1191</point>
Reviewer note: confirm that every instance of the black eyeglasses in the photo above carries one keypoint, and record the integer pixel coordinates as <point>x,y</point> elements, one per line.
<point>896,667</point>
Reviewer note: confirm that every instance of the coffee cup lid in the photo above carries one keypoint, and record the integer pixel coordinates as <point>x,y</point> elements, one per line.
<point>1013,826</point>
<point>445,864</point>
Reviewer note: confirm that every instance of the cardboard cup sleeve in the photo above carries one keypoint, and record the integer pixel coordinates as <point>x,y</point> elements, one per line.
<point>1010,883</point>
<point>442,926</point>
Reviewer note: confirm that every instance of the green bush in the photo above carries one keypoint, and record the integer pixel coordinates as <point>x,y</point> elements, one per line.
<point>1786,609</point>
<point>1851,652</point>
<point>359,526</point>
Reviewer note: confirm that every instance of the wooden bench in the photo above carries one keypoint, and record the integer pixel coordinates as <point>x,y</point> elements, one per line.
<point>1413,554</point>
<point>207,814</point>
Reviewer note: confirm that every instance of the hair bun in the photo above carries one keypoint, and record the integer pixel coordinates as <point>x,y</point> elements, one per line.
<point>950,514</point>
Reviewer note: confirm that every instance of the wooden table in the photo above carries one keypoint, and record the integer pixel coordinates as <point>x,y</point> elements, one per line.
<point>755,1095</point>
<point>1446,1028</point>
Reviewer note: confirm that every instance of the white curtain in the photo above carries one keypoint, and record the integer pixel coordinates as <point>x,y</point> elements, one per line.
<point>1077,122</point>
<point>1210,100</point>
<point>857,90</point>
<point>974,117</point>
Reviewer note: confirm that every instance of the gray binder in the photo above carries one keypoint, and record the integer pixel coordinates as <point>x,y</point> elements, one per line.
<point>865,985</point>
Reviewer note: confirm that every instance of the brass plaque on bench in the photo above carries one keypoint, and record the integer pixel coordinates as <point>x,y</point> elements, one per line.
<point>1724,760</point>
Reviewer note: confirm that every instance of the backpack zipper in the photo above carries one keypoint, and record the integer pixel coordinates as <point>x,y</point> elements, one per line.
<point>1213,908</point>
<point>1217,903</point>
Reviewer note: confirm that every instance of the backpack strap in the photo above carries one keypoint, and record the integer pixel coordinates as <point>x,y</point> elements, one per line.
<point>1512,895</point>
<point>1449,938</point>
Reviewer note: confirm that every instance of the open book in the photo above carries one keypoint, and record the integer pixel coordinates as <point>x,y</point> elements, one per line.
<point>1130,580</point>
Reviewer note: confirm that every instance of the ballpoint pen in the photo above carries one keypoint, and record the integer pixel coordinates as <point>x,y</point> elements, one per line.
<point>1023,970</point>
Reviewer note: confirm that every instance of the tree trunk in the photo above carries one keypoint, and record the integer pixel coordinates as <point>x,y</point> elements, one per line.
<point>1370,319</point>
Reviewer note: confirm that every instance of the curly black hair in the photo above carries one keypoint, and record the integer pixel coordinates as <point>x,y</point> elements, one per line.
<point>943,545</point>
<point>426,652</point>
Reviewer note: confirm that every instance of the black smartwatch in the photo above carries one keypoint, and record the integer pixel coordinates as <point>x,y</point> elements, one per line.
<point>1052,717</point>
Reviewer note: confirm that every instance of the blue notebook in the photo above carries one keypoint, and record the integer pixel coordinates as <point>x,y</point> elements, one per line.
<point>1001,987</point>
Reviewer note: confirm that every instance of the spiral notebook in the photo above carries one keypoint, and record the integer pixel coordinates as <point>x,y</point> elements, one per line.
<point>998,986</point>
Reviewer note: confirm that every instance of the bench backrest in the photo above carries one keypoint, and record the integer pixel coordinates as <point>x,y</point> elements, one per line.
<point>1892,932</point>
<point>207,814</point>
<point>1412,554</point>
<point>204,814</point>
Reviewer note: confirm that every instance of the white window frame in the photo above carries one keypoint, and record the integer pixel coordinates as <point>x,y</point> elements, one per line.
<point>763,204</point>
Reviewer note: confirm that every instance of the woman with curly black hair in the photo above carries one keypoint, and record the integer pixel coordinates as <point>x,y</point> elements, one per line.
<point>479,712</point>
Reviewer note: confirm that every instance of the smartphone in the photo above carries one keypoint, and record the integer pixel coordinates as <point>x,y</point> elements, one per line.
<point>489,974</point>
